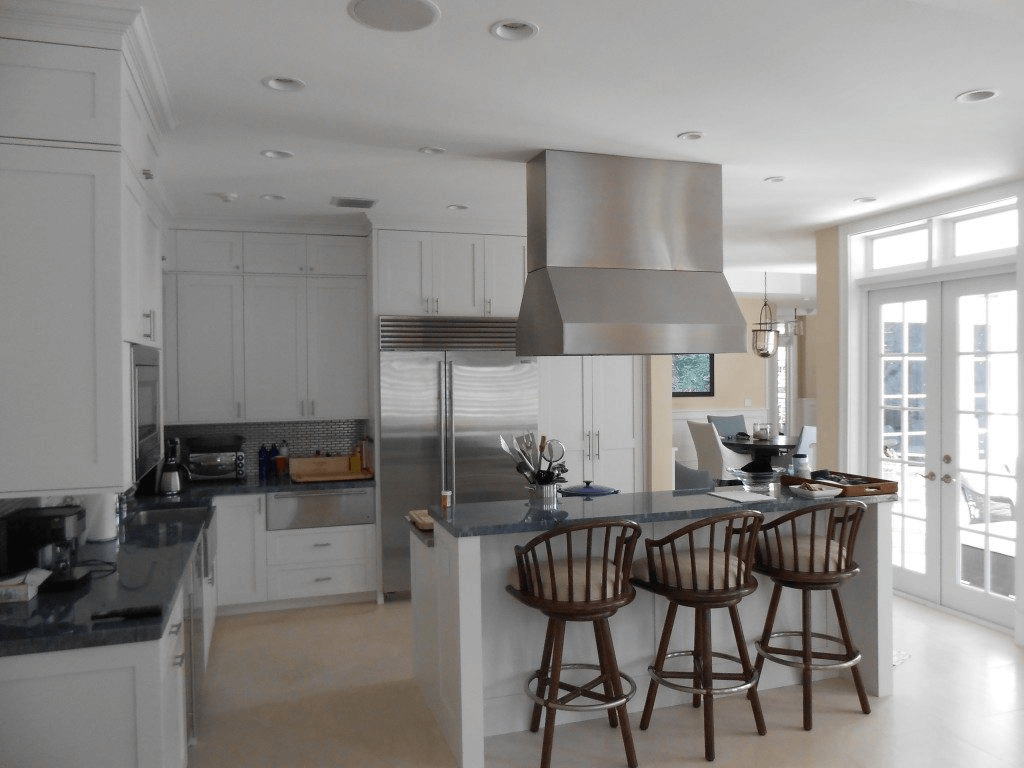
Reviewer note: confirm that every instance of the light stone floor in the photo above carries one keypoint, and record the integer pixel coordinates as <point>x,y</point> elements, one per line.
<point>331,687</point>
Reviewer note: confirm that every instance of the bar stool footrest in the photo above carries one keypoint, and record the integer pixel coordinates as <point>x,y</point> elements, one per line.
<point>584,689</point>
<point>794,657</point>
<point>744,684</point>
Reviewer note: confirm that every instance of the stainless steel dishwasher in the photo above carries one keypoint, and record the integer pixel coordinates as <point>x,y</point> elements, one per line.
<point>319,509</point>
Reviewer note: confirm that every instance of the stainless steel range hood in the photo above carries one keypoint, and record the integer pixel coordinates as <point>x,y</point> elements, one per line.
<point>625,257</point>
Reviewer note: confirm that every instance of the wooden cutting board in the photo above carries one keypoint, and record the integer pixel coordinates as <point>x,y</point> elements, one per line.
<point>322,469</point>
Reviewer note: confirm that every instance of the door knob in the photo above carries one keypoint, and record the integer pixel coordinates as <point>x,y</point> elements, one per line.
<point>947,479</point>
<point>929,476</point>
<point>946,458</point>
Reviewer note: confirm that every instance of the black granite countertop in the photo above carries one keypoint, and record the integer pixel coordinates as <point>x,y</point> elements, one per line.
<point>201,492</point>
<point>145,569</point>
<point>498,517</point>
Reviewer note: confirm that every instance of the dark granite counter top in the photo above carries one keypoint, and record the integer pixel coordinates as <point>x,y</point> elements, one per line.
<point>150,565</point>
<point>202,492</point>
<point>499,517</point>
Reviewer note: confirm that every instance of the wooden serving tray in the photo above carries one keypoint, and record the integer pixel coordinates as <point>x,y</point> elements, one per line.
<point>323,469</point>
<point>852,485</point>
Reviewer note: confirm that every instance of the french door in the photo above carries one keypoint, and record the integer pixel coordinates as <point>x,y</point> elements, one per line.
<point>943,395</point>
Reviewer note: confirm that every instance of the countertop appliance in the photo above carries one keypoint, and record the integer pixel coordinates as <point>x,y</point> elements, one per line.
<point>172,475</point>
<point>448,388</point>
<point>47,537</point>
<point>217,465</point>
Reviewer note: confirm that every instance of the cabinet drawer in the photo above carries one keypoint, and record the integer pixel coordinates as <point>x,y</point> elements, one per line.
<point>285,581</point>
<point>350,543</point>
<point>172,644</point>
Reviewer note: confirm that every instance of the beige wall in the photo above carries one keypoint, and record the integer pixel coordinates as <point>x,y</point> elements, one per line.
<point>821,374</point>
<point>659,426</point>
<point>738,375</point>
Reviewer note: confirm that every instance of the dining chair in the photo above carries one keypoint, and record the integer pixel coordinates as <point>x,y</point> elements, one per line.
<point>729,426</point>
<point>712,456</point>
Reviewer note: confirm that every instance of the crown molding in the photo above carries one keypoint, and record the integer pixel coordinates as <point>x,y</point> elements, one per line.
<point>140,54</point>
<point>68,23</point>
<point>456,223</point>
<point>281,225</point>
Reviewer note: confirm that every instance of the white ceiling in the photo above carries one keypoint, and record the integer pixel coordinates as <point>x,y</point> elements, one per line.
<point>842,98</point>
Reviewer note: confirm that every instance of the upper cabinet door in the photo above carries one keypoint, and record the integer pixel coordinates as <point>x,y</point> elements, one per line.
<point>199,251</point>
<point>404,273</point>
<point>338,359</point>
<point>458,274</point>
<point>336,255</point>
<point>275,348</point>
<point>211,376</point>
<point>504,274</point>
<point>280,254</point>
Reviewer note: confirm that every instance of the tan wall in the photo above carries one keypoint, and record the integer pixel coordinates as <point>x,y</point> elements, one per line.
<point>821,374</point>
<point>659,427</point>
<point>738,375</point>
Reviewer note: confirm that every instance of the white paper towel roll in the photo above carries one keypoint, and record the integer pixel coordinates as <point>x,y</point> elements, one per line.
<point>100,516</point>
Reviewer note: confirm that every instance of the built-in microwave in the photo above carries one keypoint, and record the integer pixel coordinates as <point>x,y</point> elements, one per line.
<point>146,422</point>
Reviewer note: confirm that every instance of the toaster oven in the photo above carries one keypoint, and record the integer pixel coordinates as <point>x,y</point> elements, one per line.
<point>219,465</point>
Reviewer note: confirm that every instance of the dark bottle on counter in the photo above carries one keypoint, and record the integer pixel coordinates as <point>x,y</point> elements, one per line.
<point>272,456</point>
<point>264,462</point>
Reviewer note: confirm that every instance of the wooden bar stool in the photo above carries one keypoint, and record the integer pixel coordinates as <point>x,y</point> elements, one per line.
<point>704,565</point>
<point>578,572</point>
<point>811,549</point>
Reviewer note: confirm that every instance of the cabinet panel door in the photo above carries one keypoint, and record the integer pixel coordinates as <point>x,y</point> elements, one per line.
<point>338,352</point>
<point>404,277</point>
<point>200,251</point>
<point>616,421</point>
<point>280,254</point>
<point>336,254</point>
<point>504,274</point>
<point>140,258</point>
<point>210,352</point>
<point>62,378</point>
<point>458,274</point>
<point>562,412</point>
<point>241,549</point>
<point>275,348</point>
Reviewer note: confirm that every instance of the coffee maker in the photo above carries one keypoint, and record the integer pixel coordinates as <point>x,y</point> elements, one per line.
<point>47,537</point>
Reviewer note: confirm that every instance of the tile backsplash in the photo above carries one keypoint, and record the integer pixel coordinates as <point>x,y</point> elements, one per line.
<point>305,438</point>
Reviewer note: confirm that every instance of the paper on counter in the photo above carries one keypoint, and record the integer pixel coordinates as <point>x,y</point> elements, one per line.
<point>740,495</point>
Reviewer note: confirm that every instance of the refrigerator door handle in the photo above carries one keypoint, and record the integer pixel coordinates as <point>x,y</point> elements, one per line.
<point>449,424</point>
<point>442,420</point>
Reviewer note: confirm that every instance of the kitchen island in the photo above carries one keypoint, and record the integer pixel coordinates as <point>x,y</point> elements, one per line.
<point>476,645</point>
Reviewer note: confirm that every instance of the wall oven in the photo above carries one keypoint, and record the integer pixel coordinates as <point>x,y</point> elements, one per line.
<point>146,422</point>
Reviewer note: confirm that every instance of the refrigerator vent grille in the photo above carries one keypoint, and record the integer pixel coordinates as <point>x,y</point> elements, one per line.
<point>426,333</point>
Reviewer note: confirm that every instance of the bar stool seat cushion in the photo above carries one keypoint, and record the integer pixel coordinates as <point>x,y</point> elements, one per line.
<point>802,554</point>
<point>726,575</point>
<point>578,593</point>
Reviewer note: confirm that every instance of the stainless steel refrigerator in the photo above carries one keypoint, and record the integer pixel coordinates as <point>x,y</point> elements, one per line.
<point>441,414</point>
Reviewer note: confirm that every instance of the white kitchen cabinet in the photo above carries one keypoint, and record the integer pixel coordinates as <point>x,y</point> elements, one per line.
<point>202,251</point>
<point>210,355</point>
<point>264,252</point>
<point>504,274</point>
<point>172,684</point>
<point>430,273</point>
<point>336,255</point>
<point>275,348</point>
<point>141,263</point>
<point>594,406</point>
<point>139,143</point>
<point>338,354</point>
<point>63,374</point>
<point>241,560</point>
<point>321,561</point>
<point>305,348</point>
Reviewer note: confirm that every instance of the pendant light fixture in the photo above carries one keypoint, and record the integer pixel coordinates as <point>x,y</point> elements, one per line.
<point>765,336</point>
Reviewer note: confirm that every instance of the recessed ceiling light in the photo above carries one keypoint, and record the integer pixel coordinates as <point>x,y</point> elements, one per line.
<point>272,197</point>
<point>690,135</point>
<point>227,197</point>
<point>458,207</point>
<point>512,29</point>
<point>979,94</point>
<point>433,150</point>
<point>394,15</point>
<point>277,154</point>
<point>283,83</point>
<point>775,179</point>
<point>865,199</point>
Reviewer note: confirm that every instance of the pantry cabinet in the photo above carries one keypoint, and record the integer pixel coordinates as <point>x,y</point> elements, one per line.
<point>437,273</point>
<point>210,380</point>
<point>594,405</point>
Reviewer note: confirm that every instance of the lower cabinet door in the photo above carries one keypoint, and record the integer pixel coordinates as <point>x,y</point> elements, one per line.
<point>288,581</point>
<point>320,561</point>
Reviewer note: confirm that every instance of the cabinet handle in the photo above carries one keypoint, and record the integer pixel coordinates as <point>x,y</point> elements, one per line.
<point>149,315</point>
<point>311,268</point>
<point>302,269</point>
<point>437,305</point>
<point>238,266</point>
<point>322,544</point>
<point>488,306</point>
<point>238,410</point>
<point>597,453</point>
<point>312,408</point>
<point>321,579</point>
<point>590,444</point>
<point>179,660</point>
<point>175,630</point>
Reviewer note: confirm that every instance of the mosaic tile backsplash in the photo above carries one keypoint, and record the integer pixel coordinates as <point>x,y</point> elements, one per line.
<point>305,438</point>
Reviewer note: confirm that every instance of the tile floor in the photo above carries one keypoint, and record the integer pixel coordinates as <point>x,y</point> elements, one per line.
<point>327,687</point>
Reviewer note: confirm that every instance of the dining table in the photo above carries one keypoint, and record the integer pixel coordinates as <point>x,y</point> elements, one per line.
<point>762,450</point>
